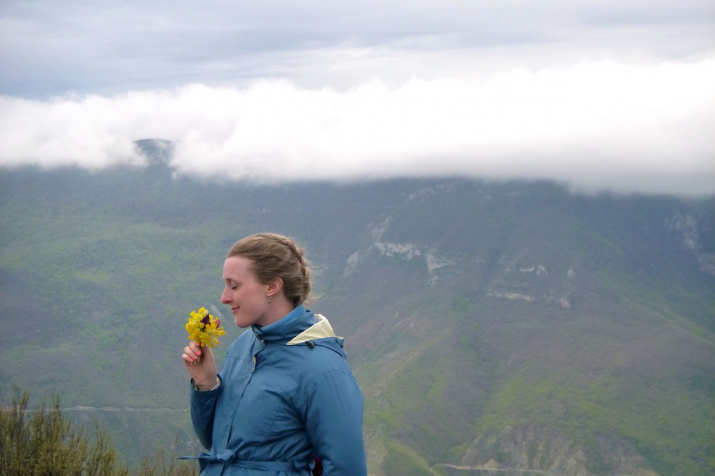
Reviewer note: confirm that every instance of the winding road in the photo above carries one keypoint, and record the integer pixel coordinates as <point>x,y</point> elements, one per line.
<point>487,468</point>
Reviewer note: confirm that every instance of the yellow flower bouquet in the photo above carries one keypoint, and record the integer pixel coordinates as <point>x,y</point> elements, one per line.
<point>204,328</point>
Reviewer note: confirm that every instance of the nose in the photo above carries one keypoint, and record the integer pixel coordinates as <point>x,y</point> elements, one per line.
<point>225,299</point>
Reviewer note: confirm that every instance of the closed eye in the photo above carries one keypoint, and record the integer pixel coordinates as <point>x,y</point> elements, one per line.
<point>232,284</point>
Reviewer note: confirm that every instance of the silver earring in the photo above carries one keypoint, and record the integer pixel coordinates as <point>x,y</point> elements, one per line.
<point>269,299</point>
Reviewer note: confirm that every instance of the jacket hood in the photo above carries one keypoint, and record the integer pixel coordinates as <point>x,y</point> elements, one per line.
<point>321,333</point>
<point>320,330</point>
<point>301,327</point>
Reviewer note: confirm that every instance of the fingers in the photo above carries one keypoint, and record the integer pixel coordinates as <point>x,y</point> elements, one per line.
<point>192,353</point>
<point>200,364</point>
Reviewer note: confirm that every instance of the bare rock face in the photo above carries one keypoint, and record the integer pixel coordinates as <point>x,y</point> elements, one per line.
<point>529,450</point>
<point>689,226</point>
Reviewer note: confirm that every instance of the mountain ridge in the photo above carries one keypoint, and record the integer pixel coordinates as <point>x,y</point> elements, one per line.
<point>510,322</point>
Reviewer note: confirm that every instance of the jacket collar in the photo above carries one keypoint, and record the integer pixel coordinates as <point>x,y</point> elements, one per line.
<point>292,324</point>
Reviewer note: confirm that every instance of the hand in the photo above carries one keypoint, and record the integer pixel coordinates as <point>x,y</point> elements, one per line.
<point>201,365</point>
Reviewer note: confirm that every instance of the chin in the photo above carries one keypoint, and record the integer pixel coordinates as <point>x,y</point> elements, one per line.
<point>242,323</point>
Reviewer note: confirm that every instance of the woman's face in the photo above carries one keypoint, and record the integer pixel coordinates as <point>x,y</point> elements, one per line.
<point>247,297</point>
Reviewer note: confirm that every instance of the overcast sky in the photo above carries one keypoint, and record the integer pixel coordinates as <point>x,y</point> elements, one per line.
<point>600,94</point>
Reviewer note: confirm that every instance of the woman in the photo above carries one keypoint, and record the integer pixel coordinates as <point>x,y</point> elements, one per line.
<point>285,395</point>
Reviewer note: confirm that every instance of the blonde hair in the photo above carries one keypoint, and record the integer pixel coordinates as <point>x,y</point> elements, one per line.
<point>277,256</point>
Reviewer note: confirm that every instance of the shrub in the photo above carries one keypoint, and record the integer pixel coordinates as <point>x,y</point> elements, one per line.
<point>43,442</point>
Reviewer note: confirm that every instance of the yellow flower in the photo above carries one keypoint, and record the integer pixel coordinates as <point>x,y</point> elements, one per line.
<point>204,328</point>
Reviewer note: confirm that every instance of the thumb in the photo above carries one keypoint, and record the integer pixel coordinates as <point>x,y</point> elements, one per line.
<point>204,352</point>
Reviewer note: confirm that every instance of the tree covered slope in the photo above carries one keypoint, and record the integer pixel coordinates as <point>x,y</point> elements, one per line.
<point>491,325</point>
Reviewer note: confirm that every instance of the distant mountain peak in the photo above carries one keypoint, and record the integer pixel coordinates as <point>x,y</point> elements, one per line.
<point>158,153</point>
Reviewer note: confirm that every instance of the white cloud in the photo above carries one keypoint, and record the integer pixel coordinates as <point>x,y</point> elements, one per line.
<point>597,125</point>
<point>597,93</point>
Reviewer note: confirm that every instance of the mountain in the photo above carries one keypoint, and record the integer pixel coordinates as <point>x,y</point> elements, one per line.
<point>491,325</point>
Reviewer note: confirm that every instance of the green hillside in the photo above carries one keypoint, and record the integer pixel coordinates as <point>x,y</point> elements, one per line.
<point>500,325</point>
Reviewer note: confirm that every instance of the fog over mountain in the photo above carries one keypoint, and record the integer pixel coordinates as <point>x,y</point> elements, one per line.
<point>509,206</point>
<point>599,95</point>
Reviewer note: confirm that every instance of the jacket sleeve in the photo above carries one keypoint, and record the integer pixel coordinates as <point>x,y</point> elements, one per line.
<point>334,424</point>
<point>203,408</point>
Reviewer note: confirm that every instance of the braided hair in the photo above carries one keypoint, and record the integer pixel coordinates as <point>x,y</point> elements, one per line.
<point>277,256</point>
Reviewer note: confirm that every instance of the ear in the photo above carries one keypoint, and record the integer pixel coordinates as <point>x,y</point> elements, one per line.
<point>275,286</point>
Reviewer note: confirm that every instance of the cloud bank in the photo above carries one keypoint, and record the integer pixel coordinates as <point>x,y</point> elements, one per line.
<point>601,94</point>
<point>595,125</point>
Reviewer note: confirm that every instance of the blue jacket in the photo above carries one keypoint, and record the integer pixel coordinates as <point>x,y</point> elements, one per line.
<point>286,396</point>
